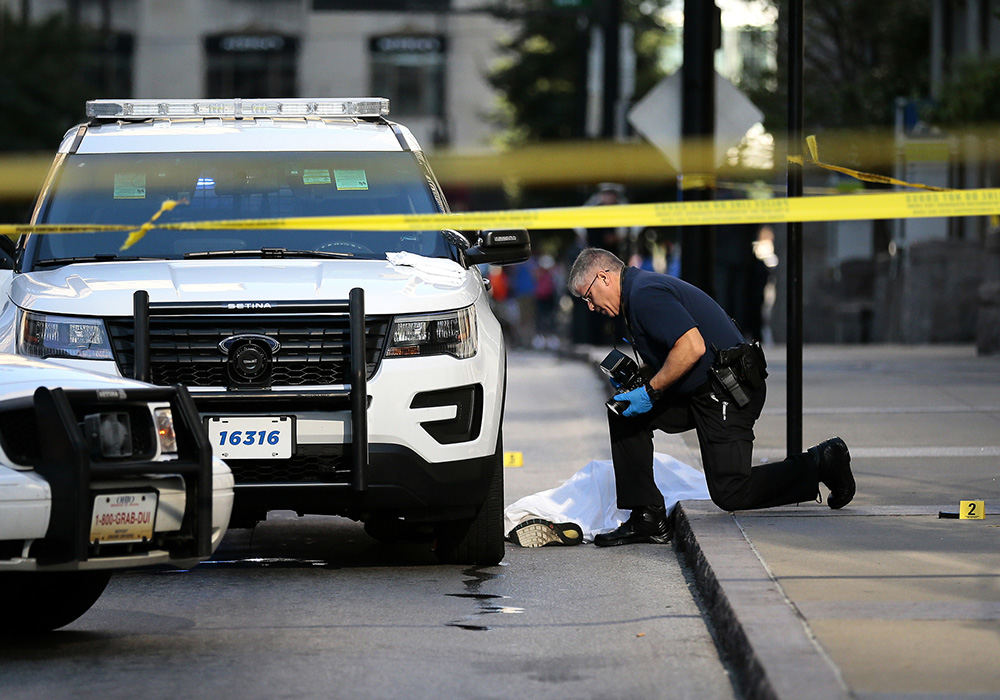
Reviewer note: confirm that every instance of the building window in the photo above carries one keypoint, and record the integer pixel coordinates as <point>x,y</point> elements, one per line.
<point>107,64</point>
<point>409,70</point>
<point>251,65</point>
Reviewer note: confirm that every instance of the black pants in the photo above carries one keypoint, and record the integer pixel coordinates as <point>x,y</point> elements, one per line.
<point>725,434</point>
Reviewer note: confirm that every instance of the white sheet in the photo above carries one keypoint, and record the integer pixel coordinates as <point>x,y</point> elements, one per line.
<point>433,270</point>
<point>588,497</point>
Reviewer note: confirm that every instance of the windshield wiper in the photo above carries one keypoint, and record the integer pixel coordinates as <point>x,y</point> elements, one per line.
<point>99,257</point>
<point>266,253</point>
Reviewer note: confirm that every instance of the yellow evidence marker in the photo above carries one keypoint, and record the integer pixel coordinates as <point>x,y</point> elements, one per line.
<point>971,510</point>
<point>513,459</point>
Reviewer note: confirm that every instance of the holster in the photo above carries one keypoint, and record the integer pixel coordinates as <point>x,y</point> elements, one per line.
<point>738,371</point>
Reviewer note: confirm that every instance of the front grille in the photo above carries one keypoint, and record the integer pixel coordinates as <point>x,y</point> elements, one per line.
<point>282,374</point>
<point>315,350</point>
<point>326,469</point>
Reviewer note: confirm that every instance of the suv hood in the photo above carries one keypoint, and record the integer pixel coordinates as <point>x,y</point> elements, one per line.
<point>20,376</point>
<point>105,289</point>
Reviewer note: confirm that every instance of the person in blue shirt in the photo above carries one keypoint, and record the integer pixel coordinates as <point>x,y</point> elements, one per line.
<point>677,331</point>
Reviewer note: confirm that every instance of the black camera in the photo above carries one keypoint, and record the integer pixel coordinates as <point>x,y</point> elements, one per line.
<point>625,372</point>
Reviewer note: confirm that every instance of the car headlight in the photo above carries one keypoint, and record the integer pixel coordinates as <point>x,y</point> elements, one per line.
<point>109,434</point>
<point>165,430</point>
<point>450,333</point>
<point>44,335</point>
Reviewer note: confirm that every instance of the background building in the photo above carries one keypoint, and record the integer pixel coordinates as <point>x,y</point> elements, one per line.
<point>429,57</point>
<point>920,280</point>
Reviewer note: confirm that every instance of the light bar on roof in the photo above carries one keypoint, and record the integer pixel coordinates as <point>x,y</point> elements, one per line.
<point>235,108</point>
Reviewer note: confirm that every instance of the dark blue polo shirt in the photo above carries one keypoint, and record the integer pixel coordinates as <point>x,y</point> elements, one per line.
<point>659,309</point>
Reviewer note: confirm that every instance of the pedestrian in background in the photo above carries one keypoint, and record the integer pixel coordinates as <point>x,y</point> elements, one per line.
<point>546,299</point>
<point>523,291</point>
<point>503,305</point>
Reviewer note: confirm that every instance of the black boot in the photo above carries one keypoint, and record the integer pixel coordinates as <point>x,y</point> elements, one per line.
<point>834,460</point>
<point>645,524</point>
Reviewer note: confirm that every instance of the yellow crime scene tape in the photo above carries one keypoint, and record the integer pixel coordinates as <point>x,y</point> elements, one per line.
<point>136,236</point>
<point>870,177</point>
<point>573,163</point>
<point>858,174</point>
<point>890,205</point>
<point>852,207</point>
<point>933,202</point>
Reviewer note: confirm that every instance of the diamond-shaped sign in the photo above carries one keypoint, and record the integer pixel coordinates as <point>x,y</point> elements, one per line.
<point>657,117</point>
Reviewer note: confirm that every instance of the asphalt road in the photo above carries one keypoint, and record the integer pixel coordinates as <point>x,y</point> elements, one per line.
<point>312,607</point>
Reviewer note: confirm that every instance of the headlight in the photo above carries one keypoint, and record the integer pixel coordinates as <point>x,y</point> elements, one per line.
<point>109,434</point>
<point>165,430</point>
<point>450,333</point>
<point>42,335</point>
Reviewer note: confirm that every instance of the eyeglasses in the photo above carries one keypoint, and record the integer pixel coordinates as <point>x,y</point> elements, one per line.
<point>586,295</point>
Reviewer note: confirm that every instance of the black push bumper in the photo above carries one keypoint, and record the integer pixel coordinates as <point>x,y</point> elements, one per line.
<point>66,463</point>
<point>389,479</point>
<point>356,397</point>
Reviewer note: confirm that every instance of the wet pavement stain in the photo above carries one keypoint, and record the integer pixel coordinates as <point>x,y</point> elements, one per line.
<point>269,563</point>
<point>502,610</point>
<point>475,596</point>
<point>468,626</point>
<point>485,601</point>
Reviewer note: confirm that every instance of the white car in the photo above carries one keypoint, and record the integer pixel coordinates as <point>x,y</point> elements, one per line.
<point>97,474</point>
<point>347,372</point>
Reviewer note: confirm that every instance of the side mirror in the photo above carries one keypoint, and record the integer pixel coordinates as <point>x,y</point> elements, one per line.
<point>455,238</point>
<point>499,247</point>
<point>8,253</point>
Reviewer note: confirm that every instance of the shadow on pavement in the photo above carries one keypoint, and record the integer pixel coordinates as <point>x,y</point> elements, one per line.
<point>286,540</point>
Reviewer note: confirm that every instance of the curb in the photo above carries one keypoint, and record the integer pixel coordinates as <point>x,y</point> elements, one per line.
<point>751,678</point>
<point>765,639</point>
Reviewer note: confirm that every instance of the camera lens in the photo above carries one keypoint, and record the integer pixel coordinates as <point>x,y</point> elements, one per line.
<point>617,406</point>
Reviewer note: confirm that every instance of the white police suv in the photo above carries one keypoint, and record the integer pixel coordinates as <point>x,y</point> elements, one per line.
<point>348,372</point>
<point>97,473</point>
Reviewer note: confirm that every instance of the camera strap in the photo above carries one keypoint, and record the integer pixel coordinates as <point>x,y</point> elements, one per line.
<point>624,312</point>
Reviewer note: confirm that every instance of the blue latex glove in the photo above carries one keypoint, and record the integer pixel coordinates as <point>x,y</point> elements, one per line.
<point>638,401</point>
<point>614,385</point>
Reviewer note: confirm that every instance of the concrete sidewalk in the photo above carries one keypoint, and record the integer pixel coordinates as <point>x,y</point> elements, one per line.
<point>882,599</point>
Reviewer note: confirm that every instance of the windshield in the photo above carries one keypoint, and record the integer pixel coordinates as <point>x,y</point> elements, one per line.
<point>129,188</point>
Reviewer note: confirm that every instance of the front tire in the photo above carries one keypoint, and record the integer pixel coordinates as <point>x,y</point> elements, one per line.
<point>478,541</point>
<point>44,601</point>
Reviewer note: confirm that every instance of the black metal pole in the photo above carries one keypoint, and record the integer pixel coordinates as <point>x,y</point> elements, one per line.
<point>698,137</point>
<point>794,182</point>
<point>140,313</point>
<point>359,391</point>
<point>611,28</point>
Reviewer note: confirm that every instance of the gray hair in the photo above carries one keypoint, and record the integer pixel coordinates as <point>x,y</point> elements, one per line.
<point>588,263</point>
